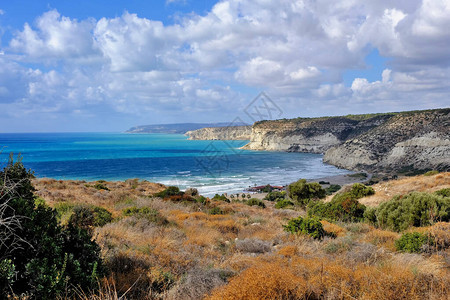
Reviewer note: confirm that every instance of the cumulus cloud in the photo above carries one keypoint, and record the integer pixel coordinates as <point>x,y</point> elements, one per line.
<point>295,50</point>
<point>55,37</point>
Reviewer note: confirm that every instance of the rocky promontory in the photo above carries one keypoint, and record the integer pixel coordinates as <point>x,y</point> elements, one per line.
<point>315,135</point>
<point>221,133</point>
<point>386,143</point>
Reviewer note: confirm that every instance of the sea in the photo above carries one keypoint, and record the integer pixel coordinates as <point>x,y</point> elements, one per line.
<point>210,166</point>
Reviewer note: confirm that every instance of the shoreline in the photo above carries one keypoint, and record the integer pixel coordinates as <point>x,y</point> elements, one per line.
<point>342,180</point>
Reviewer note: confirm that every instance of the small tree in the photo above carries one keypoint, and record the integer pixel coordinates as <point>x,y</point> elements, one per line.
<point>303,192</point>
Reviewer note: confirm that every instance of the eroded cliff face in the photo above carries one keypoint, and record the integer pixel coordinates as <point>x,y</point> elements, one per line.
<point>417,140</point>
<point>315,135</point>
<point>221,133</point>
<point>377,143</point>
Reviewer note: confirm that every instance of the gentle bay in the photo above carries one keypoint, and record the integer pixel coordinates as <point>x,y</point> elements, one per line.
<point>211,166</point>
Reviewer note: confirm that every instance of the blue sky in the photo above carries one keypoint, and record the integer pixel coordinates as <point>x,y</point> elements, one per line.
<point>109,65</point>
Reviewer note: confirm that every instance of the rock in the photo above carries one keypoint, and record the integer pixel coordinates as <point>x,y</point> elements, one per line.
<point>221,133</point>
<point>411,140</point>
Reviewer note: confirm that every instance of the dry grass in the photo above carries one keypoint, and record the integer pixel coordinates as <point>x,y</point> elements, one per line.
<point>245,253</point>
<point>333,228</point>
<point>382,238</point>
<point>312,278</point>
<point>386,190</point>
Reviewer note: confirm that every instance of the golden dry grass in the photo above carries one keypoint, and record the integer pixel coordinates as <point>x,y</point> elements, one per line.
<point>384,191</point>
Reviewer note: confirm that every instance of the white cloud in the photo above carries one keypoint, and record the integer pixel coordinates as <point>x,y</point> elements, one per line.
<point>2,12</point>
<point>56,37</point>
<point>295,50</point>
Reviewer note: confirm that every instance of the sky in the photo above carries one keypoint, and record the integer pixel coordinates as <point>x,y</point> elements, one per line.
<point>97,65</point>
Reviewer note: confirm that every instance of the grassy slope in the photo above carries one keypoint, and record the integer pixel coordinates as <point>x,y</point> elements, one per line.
<point>197,253</point>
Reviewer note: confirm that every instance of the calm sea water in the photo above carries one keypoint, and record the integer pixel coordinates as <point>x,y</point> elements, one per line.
<point>211,166</point>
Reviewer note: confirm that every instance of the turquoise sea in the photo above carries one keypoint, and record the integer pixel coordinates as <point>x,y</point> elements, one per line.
<point>211,166</point>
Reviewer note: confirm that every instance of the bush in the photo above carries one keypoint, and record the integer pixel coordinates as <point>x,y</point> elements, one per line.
<point>411,242</point>
<point>283,203</point>
<point>359,191</point>
<point>431,173</point>
<point>151,215</point>
<point>101,186</point>
<point>222,197</point>
<point>170,191</point>
<point>304,192</point>
<point>415,209</point>
<point>267,189</point>
<point>341,208</point>
<point>443,192</point>
<point>332,189</point>
<point>255,202</point>
<point>46,260</point>
<point>275,196</point>
<point>308,226</point>
<point>344,206</point>
<point>216,211</point>
<point>89,216</point>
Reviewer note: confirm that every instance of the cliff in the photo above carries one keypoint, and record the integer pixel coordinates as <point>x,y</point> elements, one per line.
<point>315,135</point>
<point>409,140</point>
<point>376,142</point>
<point>221,133</point>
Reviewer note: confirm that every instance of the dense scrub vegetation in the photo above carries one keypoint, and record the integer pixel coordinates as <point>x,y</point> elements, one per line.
<point>344,206</point>
<point>415,209</point>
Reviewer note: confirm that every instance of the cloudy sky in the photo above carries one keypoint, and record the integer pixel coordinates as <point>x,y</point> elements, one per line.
<point>108,65</point>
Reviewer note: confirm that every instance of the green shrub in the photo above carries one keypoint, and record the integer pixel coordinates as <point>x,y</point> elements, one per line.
<point>431,173</point>
<point>304,192</point>
<point>100,186</point>
<point>370,216</point>
<point>89,216</point>
<point>411,242</point>
<point>332,189</point>
<point>415,209</point>
<point>255,202</point>
<point>170,191</point>
<point>344,206</point>
<point>201,199</point>
<point>222,197</point>
<point>283,203</point>
<point>267,189</point>
<point>216,211</point>
<point>443,192</point>
<point>341,208</point>
<point>275,196</point>
<point>308,226</point>
<point>359,191</point>
<point>45,260</point>
<point>151,215</point>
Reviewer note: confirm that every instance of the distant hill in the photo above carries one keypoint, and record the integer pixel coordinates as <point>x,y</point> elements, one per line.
<point>179,128</point>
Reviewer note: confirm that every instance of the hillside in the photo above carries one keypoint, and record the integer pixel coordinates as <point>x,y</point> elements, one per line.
<point>386,143</point>
<point>170,248</point>
<point>314,135</point>
<point>411,140</point>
